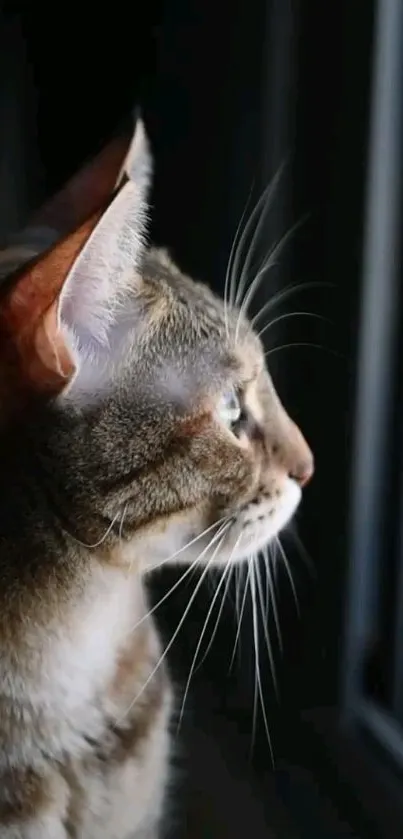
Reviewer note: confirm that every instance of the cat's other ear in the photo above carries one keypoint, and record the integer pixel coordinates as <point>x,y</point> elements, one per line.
<point>62,307</point>
<point>87,191</point>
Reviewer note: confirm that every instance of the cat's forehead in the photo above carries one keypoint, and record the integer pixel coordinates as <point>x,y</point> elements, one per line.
<point>174,343</point>
<point>198,322</point>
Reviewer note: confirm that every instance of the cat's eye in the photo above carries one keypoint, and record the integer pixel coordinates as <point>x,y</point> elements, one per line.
<point>229,408</point>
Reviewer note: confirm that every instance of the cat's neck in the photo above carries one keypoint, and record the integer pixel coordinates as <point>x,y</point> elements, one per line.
<point>87,664</point>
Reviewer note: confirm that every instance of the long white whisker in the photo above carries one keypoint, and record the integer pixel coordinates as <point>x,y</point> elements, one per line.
<point>258,681</point>
<point>228,275</point>
<point>265,630</point>
<point>122,522</point>
<point>303,552</point>
<point>190,543</point>
<point>183,576</point>
<point>288,315</point>
<point>238,631</point>
<point>225,575</point>
<point>284,294</point>
<point>174,636</point>
<point>267,599</point>
<point>250,293</point>
<point>238,573</point>
<point>212,581</point>
<point>129,570</point>
<point>256,651</point>
<point>274,548</point>
<point>308,344</point>
<point>273,600</point>
<point>200,641</point>
<point>215,577</point>
<point>289,573</point>
<point>100,541</point>
<point>240,246</point>
<point>267,196</point>
<point>268,263</point>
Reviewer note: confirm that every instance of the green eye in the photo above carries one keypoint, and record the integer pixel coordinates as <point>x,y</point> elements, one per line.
<point>229,408</point>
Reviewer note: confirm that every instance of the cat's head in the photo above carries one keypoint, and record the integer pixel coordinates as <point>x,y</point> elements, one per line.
<point>152,417</point>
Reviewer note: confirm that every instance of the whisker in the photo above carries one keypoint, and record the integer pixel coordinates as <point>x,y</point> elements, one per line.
<point>212,581</point>
<point>251,292</point>
<point>228,299</point>
<point>174,636</point>
<point>268,263</point>
<point>258,681</point>
<point>129,570</point>
<point>241,580</point>
<point>229,567</point>
<point>100,541</point>
<point>202,634</point>
<point>238,631</point>
<point>266,196</point>
<point>285,294</point>
<point>275,565</point>
<point>301,344</point>
<point>215,579</point>
<point>190,579</point>
<point>189,544</point>
<point>255,649</point>
<point>183,576</point>
<point>288,315</point>
<point>227,573</point>
<point>122,522</point>
<point>252,220</point>
<point>265,631</point>
<point>289,573</point>
<point>273,599</point>
<point>237,573</point>
<point>305,556</point>
<point>267,592</point>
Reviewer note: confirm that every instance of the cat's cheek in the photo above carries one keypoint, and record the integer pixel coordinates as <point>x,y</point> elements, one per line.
<point>228,469</point>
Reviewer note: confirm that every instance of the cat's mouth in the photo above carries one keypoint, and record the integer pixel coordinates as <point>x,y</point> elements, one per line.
<point>233,537</point>
<point>254,526</point>
<point>264,520</point>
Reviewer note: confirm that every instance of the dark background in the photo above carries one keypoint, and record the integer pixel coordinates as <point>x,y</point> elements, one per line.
<point>229,92</point>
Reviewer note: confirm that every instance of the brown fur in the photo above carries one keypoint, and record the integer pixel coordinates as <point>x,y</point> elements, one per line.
<point>27,311</point>
<point>23,795</point>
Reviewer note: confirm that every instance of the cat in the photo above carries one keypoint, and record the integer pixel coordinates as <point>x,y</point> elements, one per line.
<point>138,426</point>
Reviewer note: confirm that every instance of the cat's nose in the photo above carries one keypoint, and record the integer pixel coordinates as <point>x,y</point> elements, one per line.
<point>300,458</point>
<point>303,471</point>
<point>296,455</point>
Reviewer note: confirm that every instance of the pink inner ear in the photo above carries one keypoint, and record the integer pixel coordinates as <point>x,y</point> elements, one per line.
<point>50,348</point>
<point>32,292</point>
<point>34,356</point>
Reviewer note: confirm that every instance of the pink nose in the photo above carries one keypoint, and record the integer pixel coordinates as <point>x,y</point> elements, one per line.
<point>303,471</point>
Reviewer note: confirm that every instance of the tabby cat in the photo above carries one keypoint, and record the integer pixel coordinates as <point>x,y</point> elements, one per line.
<point>138,426</point>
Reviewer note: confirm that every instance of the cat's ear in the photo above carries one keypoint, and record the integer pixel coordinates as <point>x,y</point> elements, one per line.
<point>87,191</point>
<point>63,305</point>
<point>104,271</point>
